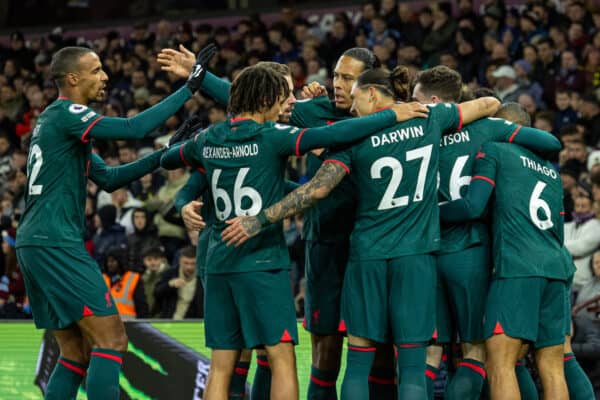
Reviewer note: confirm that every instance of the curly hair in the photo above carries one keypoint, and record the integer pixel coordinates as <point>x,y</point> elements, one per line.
<point>256,89</point>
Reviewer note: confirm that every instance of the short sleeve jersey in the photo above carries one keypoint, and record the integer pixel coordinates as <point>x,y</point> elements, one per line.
<point>526,208</point>
<point>244,162</point>
<point>395,172</point>
<point>57,168</point>
<point>458,150</point>
<point>332,218</point>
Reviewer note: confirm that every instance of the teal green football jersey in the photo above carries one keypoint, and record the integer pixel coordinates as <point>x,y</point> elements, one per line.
<point>332,219</point>
<point>395,172</point>
<point>244,164</point>
<point>57,168</point>
<point>526,210</point>
<point>457,157</point>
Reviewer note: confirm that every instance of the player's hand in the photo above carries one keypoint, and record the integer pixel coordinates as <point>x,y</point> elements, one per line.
<point>177,283</point>
<point>240,229</point>
<point>190,213</point>
<point>199,71</point>
<point>185,130</point>
<point>406,111</point>
<point>313,89</point>
<point>179,62</point>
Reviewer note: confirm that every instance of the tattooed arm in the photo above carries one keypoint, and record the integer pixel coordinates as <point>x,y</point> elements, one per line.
<point>242,228</point>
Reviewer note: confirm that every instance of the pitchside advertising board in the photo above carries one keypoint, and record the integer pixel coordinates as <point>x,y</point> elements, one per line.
<point>156,366</point>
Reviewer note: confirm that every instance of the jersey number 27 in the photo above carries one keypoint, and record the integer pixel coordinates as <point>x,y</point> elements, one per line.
<point>388,200</point>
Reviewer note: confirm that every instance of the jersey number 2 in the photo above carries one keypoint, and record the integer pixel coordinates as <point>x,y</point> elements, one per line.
<point>34,164</point>
<point>388,200</point>
<point>239,192</point>
<point>535,203</point>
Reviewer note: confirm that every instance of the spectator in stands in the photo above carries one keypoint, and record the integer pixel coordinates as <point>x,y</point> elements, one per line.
<point>109,233</point>
<point>544,120</point>
<point>570,76</point>
<point>506,84</point>
<point>565,114</point>
<point>6,149</point>
<point>12,287</point>
<point>441,35</point>
<point>528,103</point>
<point>155,264</point>
<point>145,235</point>
<point>179,291</point>
<point>126,287</point>
<point>586,323</point>
<point>590,118</point>
<point>171,235</point>
<point>582,237</point>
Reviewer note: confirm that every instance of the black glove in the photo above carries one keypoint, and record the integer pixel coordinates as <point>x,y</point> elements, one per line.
<point>199,71</point>
<point>186,130</point>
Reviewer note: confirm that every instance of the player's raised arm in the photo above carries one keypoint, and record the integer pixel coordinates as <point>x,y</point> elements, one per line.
<point>473,204</point>
<point>241,229</point>
<point>180,62</point>
<point>348,131</point>
<point>111,178</point>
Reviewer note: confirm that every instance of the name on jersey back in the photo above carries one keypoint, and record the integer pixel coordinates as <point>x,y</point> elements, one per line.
<point>244,150</point>
<point>537,167</point>
<point>396,136</point>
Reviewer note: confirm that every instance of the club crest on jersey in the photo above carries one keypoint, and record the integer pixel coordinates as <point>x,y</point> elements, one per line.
<point>77,108</point>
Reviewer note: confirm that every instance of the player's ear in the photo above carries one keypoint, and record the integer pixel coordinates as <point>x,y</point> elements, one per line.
<point>72,78</point>
<point>372,94</point>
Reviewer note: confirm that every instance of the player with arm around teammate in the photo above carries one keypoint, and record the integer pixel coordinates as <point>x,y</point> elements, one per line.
<point>396,171</point>
<point>244,160</point>
<point>525,303</point>
<point>464,255</point>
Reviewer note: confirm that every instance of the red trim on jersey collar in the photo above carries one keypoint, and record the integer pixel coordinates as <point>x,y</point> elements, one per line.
<point>89,128</point>
<point>62,98</point>
<point>239,119</point>
<point>430,374</point>
<point>338,162</point>
<point>484,178</point>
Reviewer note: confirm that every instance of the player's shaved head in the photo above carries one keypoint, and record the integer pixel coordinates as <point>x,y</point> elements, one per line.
<point>514,112</point>
<point>441,82</point>
<point>66,61</point>
<point>257,89</point>
<point>364,55</point>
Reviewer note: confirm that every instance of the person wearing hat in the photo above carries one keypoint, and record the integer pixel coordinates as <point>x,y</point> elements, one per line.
<point>506,84</point>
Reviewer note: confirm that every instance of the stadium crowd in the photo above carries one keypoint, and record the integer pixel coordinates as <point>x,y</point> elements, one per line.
<point>543,55</point>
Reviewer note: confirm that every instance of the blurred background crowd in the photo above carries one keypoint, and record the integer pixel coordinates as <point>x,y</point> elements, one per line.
<point>543,54</point>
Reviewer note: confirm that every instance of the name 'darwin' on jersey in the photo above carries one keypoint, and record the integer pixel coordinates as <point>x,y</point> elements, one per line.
<point>534,165</point>
<point>397,136</point>
<point>245,150</point>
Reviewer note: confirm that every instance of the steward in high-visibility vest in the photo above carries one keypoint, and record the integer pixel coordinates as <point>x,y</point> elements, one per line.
<point>126,287</point>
